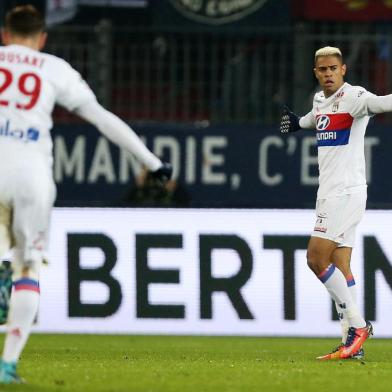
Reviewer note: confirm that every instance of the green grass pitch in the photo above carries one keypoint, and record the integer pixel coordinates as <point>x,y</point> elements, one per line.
<point>185,364</point>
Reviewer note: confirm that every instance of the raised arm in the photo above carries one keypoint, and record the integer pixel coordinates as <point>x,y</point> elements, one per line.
<point>379,104</point>
<point>121,134</point>
<point>75,95</point>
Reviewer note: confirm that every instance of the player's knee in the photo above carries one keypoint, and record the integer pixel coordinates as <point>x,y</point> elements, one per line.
<point>314,259</point>
<point>310,260</point>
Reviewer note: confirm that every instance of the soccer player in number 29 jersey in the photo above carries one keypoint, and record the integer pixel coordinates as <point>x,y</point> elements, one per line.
<point>31,83</point>
<point>339,116</point>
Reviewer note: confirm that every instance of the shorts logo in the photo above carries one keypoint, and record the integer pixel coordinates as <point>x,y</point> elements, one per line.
<point>322,122</point>
<point>321,224</point>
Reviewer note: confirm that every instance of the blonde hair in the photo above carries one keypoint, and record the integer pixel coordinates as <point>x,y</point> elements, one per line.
<point>328,51</point>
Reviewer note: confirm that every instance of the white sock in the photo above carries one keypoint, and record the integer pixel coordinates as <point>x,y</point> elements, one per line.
<point>352,287</point>
<point>23,309</point>
<point>336,284</point>
<point>343,322</point>
<point>342,317</point>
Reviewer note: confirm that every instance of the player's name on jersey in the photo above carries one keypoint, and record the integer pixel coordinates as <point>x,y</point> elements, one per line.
<point>18,58</point>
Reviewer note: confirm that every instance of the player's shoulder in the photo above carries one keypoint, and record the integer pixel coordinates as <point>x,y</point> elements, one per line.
<point>56,66</point>
<point>319,97</point>
<point>53,61</point>
<point>353,92</point>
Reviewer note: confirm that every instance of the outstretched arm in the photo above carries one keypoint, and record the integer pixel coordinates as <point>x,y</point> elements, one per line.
<point>379,104</point>
<point>119,133</point>
<point>75,95</point>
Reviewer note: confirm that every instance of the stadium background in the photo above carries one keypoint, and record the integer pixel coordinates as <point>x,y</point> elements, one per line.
<point>203,82</point>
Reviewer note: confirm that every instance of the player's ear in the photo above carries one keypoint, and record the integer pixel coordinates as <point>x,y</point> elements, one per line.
<point>42,40</point>
<point>315,73</point>
<point>344,69</point>
<point>5,37</point>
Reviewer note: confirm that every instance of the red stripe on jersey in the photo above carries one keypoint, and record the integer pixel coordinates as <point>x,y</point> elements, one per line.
<point>337,121</point>
<point>27,287</point>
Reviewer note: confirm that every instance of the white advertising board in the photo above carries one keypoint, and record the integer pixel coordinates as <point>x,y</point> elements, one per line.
<point>189,271</point>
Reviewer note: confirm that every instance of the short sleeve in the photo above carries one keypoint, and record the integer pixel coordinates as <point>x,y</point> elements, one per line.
<point>72,91</point>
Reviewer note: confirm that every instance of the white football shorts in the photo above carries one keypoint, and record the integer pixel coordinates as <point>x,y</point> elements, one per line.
<point>28,190</point>
<point>337,218</point>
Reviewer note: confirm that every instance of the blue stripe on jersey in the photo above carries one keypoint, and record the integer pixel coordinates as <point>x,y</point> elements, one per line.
<point>333,138</point>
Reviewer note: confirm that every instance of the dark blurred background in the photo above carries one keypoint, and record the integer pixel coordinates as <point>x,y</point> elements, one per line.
<point>203,82</point>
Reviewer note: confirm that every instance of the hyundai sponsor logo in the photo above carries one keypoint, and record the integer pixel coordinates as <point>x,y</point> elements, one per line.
<point>322,122</point>
<point>333,138</point>
<point>326,135</point>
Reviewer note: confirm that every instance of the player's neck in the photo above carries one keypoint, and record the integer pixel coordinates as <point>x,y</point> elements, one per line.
<point>29,42</point>
<point>329,93</point>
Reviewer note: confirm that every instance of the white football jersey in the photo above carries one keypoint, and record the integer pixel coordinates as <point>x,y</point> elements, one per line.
<point>341,122</point>
<point>31,83</point>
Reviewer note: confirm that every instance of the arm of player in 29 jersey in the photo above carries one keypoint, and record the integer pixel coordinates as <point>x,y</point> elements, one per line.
<point>31,89</point>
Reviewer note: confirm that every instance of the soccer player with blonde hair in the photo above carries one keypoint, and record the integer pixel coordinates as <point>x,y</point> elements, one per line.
<point>340,115</point>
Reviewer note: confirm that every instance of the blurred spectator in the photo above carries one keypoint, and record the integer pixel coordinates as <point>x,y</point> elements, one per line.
<point>150,192</point>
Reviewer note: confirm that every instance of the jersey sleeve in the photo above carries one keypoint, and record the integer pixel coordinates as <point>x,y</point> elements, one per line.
<point>358,104</point>
<point>308,121</point>
<point>380,104</point>
<point>72,89</point>
<point>118,132</point>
